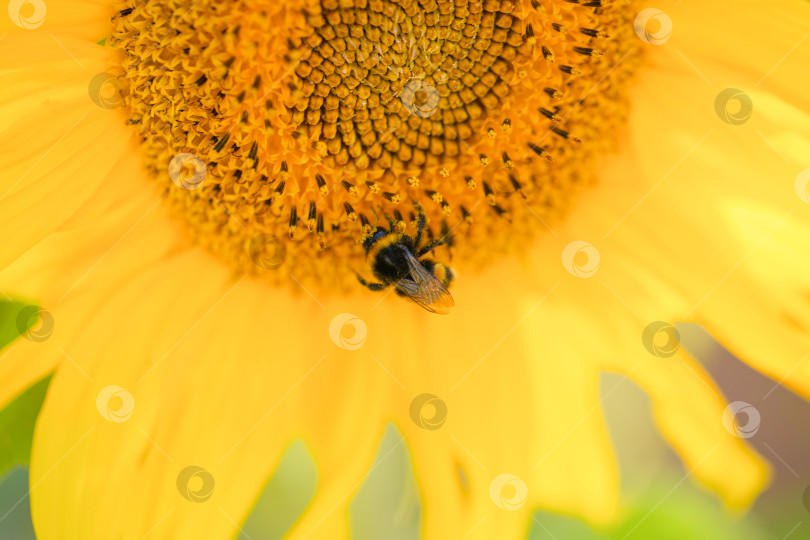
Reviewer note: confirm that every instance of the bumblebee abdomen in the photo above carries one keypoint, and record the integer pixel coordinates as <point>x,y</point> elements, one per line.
<point>443,274</point>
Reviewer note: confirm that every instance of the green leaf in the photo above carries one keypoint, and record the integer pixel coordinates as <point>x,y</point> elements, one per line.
<point>17,419</point>
<point>285,496</point>
<point>15,508</point>
<point>388,505</point>
<point>9,311</point>
<point>667,510</point>
<point>17,426</point>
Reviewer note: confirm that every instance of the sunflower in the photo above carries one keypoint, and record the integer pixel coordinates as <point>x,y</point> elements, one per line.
<point>187,187</point>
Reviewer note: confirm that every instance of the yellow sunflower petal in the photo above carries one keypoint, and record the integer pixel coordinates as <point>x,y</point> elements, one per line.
<point>125,451</point>
<point>506,375</point>
<point>770,63</point>
<point>748,272</point>
<point>486,400</point>
<point>59,270</point>
<point>342,413</point>
<point>86,19</point>
<point>688,410</point>
<point>221,433</point>
<point>51,170</point>
<point>21,365</point>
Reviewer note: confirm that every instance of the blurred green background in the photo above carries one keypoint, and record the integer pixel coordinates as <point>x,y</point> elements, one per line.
<point>659,501</point>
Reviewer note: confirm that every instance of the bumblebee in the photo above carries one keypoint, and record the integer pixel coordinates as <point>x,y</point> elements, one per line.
<point>396,259</point>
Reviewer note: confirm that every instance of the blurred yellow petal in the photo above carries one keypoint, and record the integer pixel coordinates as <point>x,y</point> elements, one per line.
<point>86,19</point>
<point>49,171</point>
<point>689,410</point>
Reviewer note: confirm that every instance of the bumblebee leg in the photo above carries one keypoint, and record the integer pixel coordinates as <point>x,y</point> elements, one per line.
<point>391,222</point>
<point>369,285</point>
<point>434,244</point>
<point>420,224</point>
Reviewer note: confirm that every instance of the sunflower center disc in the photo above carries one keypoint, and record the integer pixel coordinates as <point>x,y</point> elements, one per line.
<point>284,132</point>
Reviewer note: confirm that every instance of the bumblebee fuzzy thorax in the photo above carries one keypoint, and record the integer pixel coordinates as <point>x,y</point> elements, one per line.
<point>385,255</point>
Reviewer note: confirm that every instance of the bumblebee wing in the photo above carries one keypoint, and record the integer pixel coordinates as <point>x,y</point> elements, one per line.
<point>424,289</point>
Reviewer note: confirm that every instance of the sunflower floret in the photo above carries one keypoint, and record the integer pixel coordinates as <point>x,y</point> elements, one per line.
<point>361,107</point>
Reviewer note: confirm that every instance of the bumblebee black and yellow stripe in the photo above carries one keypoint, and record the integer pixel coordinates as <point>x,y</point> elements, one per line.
<point>388,240</point>
<point>442,273</point>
